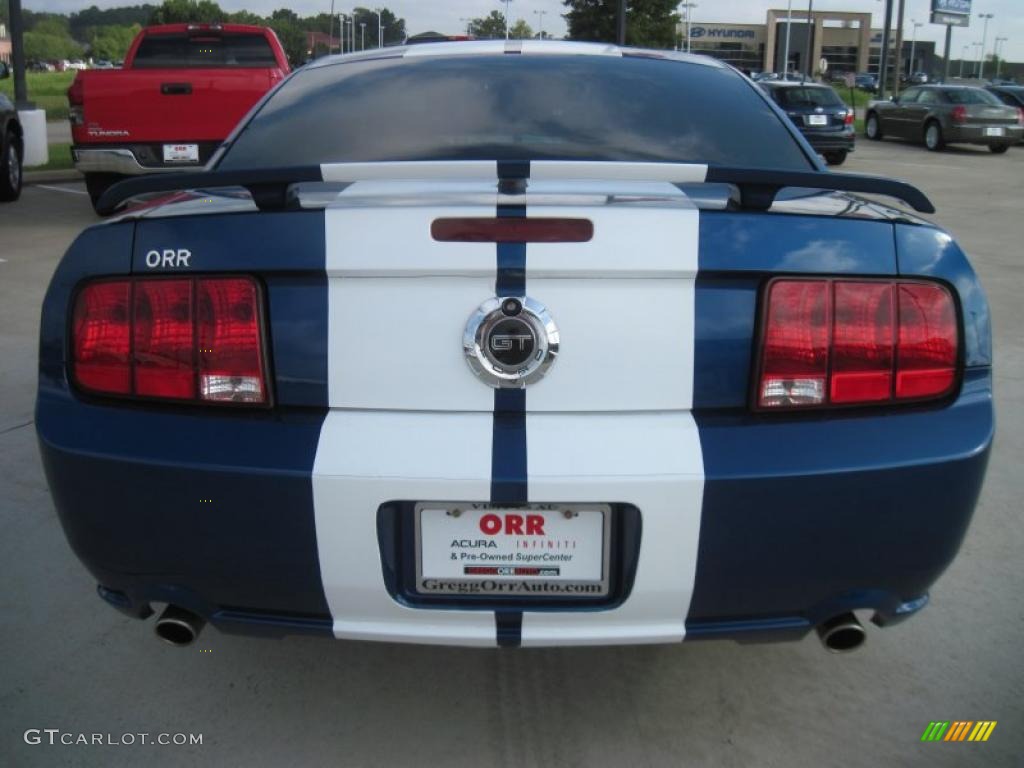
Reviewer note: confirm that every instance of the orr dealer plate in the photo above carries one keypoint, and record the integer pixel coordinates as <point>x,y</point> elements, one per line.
<point>529,551</point>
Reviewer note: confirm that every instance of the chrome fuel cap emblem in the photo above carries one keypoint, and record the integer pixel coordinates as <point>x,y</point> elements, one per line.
<point>510,341</point>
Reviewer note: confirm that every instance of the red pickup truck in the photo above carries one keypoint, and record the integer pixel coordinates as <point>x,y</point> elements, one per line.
<point>181,92</point>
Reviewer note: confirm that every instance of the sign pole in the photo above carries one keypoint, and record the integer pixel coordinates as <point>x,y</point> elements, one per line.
<point>18,57</point>
<point>883,64</point>
<point>949,40</point>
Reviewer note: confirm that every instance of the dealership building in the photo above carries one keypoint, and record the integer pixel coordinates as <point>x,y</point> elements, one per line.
<point>845,40</point>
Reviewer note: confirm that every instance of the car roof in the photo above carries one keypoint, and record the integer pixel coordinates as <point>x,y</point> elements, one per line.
<point>523,47</point>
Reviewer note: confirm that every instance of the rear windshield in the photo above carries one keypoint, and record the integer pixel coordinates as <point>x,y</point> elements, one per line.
<point>805,96</point>
<point>971,96</point>
<point>507,107</point>
<point>203,51</point>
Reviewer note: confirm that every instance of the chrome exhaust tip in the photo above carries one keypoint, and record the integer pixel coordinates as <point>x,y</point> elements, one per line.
<point>842,633</point>
<point>178,626</point>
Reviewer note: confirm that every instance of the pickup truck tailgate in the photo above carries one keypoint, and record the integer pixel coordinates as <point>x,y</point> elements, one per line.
<point>154,105</point>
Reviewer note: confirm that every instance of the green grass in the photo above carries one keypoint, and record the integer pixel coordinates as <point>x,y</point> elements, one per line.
<point>47,89</point>
<point>860,98</point>
<point>60,159</point>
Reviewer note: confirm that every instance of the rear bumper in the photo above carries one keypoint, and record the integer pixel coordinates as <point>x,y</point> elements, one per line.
<point>975,134</point>
<point>133,159</point>
<point>861,511</point>
<point>833,141</point>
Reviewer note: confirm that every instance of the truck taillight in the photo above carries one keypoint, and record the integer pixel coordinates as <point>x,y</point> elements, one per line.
<point>197,339</point>
<point>76,101</point>
<point>959,114</point>
<point>856,342</point>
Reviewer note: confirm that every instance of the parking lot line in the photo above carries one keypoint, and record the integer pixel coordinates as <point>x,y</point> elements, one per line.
<point>62,189</point>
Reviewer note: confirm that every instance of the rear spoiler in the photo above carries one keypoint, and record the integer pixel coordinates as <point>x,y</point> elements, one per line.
<point>757,186</point>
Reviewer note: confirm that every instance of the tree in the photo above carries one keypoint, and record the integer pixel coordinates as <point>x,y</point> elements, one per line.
<point>111,42</point>
<point>46,46</point>
<point>489,27</point>
<point>649,23</point>
<point>195,11</point>
<point>520,31</point>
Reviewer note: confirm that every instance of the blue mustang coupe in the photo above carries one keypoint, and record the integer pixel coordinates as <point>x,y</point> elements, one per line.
<point>524,343</point>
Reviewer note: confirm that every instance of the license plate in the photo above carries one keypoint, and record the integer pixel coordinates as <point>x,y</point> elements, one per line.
<point>994,130</point>
<point>817,119</point>
<point>533,551</point>
<point>181,153</point>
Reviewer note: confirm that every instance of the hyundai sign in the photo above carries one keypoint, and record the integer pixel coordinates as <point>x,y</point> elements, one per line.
<point>954,13</point>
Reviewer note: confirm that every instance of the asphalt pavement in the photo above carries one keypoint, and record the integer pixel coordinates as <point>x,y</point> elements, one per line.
<point>72,663</point>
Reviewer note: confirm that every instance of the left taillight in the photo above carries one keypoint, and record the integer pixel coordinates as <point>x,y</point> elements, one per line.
<point>193,339</point>
<point>841,342</point>
<point>76,102</point>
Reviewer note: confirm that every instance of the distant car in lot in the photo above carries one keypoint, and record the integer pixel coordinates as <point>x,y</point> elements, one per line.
<point>77,64</point>
<point>11,146</point>
<point>1011,94</point>
<point>181,91</point>
<point>919,78</point>
<point>946,114</point>
<point>822,117</point>
<point>866,82</point>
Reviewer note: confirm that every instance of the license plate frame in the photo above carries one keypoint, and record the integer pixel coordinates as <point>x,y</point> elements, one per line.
<point>506,578</point>
<point>994,130</point>
<point>817,121</point>
<point>181,154</point>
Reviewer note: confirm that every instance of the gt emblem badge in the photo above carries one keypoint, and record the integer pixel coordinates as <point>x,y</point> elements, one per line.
<point>510,341</point>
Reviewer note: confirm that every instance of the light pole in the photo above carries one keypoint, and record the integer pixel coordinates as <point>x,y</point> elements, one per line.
<point>995,53</point>
<point>978,47</point>
<point>342,32</point>
<point>330,34</point>
<point>785,49</point>
<point>962,57</point>
<point>809,68</point>
<point>913,42</point>
<point>687,6</point>
<point>984,34</point>
<point>362,35</point>
<point>540,22</point>
<point>380,30</point>
<point>506,2</point>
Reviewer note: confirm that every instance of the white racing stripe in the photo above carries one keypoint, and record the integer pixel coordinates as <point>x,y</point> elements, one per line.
<point>365,459</point>
<point>652,461</point>
<point>626,322</point>
<point>610,422</point>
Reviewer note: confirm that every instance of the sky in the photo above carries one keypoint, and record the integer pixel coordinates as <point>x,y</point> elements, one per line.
<point>448,16</point>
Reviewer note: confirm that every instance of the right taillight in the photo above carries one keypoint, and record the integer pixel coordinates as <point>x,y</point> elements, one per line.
<point>959,114</point>
<point>856,342</point>
<point>197,339</point>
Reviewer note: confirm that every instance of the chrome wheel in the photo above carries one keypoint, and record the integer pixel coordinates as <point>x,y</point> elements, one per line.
<point>933,137</point>
<point>871,129</point>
